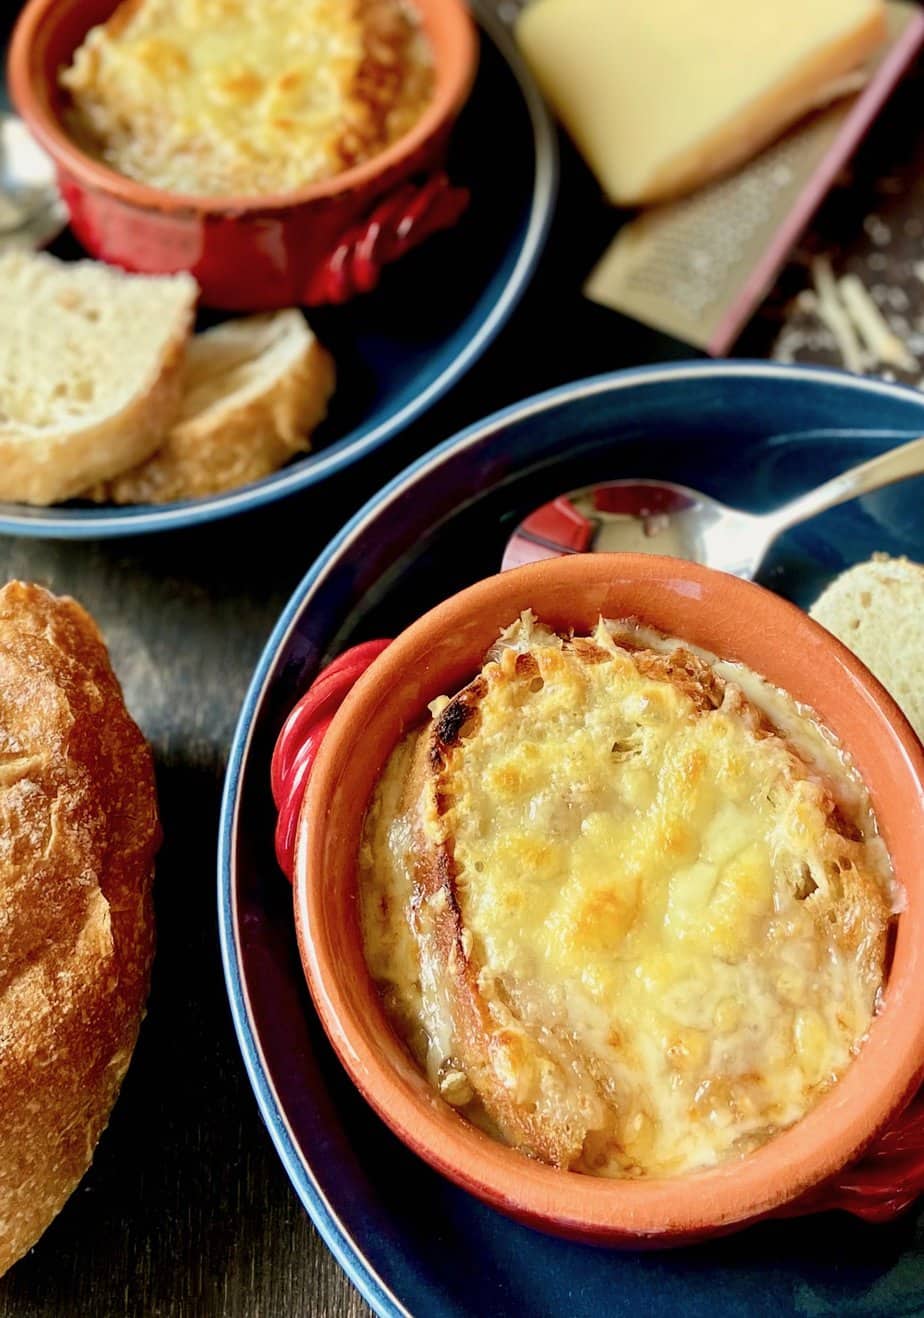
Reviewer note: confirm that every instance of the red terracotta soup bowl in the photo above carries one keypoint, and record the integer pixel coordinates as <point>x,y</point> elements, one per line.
<point>321,243</point>
<point>736,620</point>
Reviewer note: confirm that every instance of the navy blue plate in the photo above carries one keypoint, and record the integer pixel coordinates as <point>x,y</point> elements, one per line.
<point>402,347</point>
<point>751,434</point>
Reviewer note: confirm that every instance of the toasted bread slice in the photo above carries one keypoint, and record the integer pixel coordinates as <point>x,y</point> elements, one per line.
<point>535,1087</point>
<point>877,610</point>
<point>624,880</point>
<point>254,390</point>
<point>90,371</point>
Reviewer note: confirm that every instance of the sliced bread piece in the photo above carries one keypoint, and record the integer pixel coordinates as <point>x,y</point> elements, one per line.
<point>90,371</point>
<point>877,610</point>
<point>254,390</point>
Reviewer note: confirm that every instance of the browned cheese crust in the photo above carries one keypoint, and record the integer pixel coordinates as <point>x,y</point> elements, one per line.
<point>78,833</point>
<point>489,1036</point>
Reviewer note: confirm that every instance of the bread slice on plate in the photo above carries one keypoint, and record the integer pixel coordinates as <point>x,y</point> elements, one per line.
<point>877,610</point>
<point>254,390</point>
<point>90,371</point>
<point>80,830</point>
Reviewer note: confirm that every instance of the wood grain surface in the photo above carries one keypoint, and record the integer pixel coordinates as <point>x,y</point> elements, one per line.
<point>186,1210</point>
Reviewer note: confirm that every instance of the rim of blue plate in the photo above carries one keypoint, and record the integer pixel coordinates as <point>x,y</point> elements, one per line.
<point>335,1234</point>
<point>456,357</point>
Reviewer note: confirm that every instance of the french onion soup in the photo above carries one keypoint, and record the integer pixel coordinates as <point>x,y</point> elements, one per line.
<point>626,903</point>
<point>247,97</point>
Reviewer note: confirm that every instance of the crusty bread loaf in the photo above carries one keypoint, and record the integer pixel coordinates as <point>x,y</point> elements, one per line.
<point>78,807</point>
<point>877,610</point>
<point>254,390</point>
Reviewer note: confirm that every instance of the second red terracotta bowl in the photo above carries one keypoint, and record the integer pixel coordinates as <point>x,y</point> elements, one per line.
<point>321,243</point>
<point>436,655</point>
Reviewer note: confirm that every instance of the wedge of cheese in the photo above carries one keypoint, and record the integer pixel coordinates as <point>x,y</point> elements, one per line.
<point>663,95</point>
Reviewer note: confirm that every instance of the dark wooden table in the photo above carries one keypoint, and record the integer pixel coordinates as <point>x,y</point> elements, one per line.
<point>186,1209</point>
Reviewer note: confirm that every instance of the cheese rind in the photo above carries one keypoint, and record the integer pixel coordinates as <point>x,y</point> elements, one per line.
<point>661,97</point>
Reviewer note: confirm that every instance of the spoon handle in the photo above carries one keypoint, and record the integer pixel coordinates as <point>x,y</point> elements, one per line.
<point>895,465</point>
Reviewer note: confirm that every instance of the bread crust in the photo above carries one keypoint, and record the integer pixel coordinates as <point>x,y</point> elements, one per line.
<point>495,1048</point>
<point>488,1041</point>
<point>79,834</point>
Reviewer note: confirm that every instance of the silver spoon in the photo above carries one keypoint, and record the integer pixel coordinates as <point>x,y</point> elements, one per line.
<point>31,210</point>
<point>659,517</point>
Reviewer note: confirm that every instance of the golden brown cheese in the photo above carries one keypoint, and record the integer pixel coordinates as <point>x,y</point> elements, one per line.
<point>247,97</point>
<point>619,916</point>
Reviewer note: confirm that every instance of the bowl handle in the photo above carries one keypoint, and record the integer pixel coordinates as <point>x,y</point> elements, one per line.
<point>408,215</point>
<point>885,1181</point>
<point>299,741</point>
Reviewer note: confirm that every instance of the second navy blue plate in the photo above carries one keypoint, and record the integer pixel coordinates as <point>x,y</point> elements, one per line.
<point>399,349</point>
<point>751,434</point>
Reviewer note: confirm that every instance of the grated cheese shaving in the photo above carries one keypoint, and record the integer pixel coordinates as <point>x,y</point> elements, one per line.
<point>832,312</point>
<point>878,338</point>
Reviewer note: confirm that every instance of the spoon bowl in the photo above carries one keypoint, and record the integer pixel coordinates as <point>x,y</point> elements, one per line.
<point>31,210</point>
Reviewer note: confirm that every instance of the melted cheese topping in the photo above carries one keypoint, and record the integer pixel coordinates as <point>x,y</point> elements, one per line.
<point>247,97</point>
<point>659,883</point>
